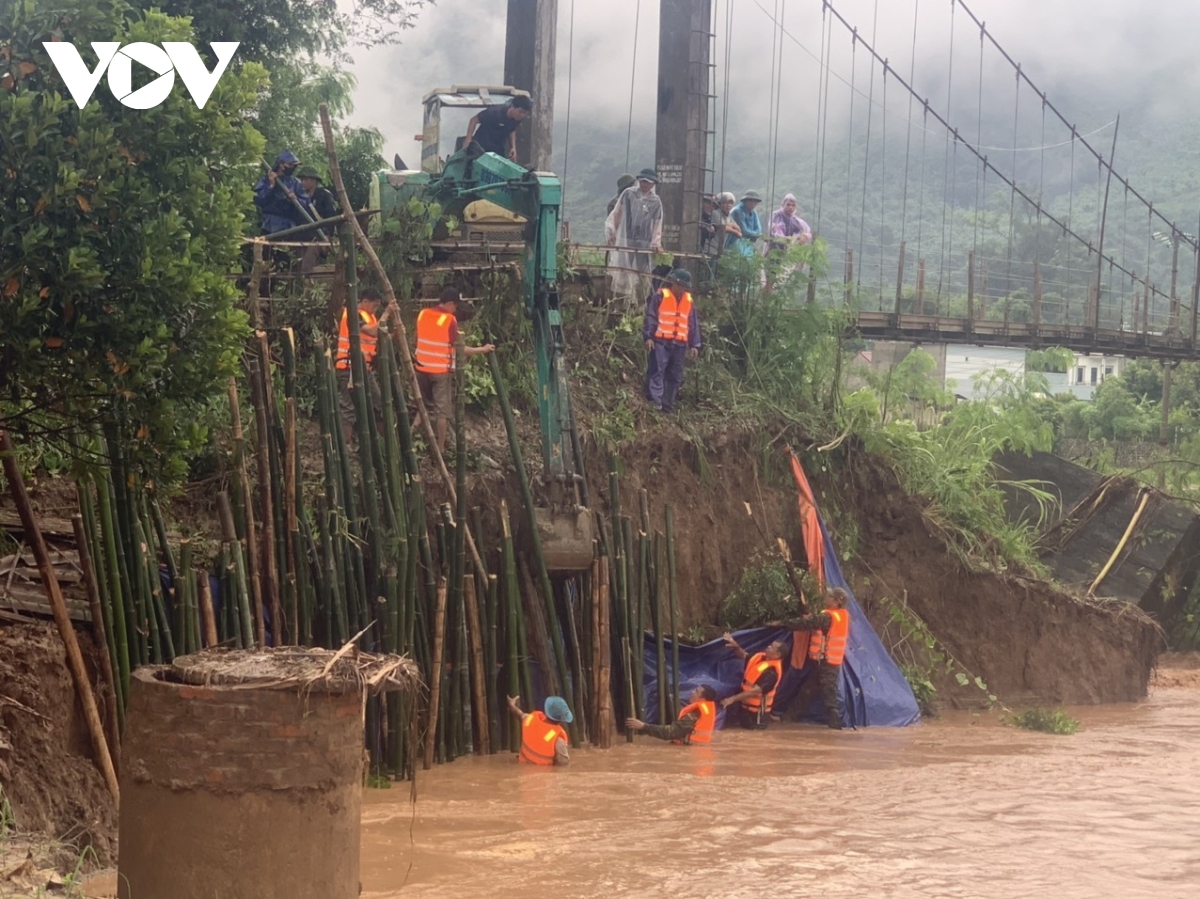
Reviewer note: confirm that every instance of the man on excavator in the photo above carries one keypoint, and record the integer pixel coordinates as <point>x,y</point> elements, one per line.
<point>494,130</point>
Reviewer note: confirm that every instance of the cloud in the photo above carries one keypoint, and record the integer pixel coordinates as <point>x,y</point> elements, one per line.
<point>1096,56</point>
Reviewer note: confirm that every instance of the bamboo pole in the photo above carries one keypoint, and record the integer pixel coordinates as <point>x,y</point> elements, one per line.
<point>399,335</point>
<point>266,500</point>
<point>604,725</point>
<point>239,443</point>
<point>539,558</point>
<point>121,608</point>
<point>58,606</point>
<point>98,630</point>
<point>207,618</point>
<point>673,589</point>
<point>629,699</point>
<point>664,710</point>
<point>435,679</point>
<point>95,550</point>
<point>512,604</point>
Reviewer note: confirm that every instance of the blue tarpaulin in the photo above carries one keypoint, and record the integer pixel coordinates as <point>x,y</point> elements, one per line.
<point>874,691</point>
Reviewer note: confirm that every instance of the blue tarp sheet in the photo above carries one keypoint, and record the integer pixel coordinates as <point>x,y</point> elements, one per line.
<point>874,691</point>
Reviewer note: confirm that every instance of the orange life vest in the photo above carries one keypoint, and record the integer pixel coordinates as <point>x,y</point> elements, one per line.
<point>435,353</point>
<point>756,666</point>
<point>703,731</point>
<point>830,646</point>
<point>368,342</point>
<point>673,316</point>
<point>539,735</point>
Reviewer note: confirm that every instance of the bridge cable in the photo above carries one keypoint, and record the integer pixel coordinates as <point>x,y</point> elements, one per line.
<point>947,198</point>
<point>1064,226</point>
<point>828,28</point>
<point>725,94</point>
<point>570,81</point>
<point>1193,240</point>
<point>862,219</point>
<point>980,185</point>
<point>773,107</point>
<point>850,134</point>
<point>883,157</point>
<point>912,76</point>
<point>1012,204</point>
<point>637,16</point>
<point>777,39</point>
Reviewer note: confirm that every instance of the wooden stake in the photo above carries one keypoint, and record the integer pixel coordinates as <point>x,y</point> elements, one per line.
<point>239,442</point>
<point>605,723</point>
<point>207,618</point>
<point>33,536</point>
<point>435,673</point>
<point>266,500</point>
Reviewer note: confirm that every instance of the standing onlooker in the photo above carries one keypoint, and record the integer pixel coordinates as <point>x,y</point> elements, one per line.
<point>671,331</point>
<point>786,229</point>
<point>494,130</point>
<point>322,198</point>
<point>745,217</point>
<point>634,227</point>
<point>708,228</point>
<point>625,182</point>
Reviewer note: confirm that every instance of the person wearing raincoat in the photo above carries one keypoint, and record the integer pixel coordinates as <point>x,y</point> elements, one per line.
<point>745,217</point>
<point>274,192</point>
<point>634,228</point>
<point>786,228</point>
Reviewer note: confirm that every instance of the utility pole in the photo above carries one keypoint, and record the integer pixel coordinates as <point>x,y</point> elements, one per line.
<point>684,92</point>
<point>529,50</point>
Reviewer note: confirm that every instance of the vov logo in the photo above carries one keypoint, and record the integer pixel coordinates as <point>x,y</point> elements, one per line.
<point>171,58</point>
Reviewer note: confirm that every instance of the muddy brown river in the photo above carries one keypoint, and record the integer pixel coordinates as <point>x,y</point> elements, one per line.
<point>961,807</point>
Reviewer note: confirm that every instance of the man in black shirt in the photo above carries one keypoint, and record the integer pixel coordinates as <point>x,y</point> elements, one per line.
<point>494,130</point>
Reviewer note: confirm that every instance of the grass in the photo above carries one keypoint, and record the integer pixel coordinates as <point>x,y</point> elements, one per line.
<point>1047,721</point>
<point>27,857</point>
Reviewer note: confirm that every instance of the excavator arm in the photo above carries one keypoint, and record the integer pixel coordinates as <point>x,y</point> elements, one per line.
<point>565,525</point>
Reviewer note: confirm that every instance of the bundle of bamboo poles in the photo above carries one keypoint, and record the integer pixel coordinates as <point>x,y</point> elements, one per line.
<point>361,551</point>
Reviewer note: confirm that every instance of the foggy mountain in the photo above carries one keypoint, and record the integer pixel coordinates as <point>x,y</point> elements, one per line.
<point>786,126</point>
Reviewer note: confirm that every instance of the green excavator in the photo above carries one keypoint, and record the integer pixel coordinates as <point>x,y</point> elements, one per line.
<point>487,190</point>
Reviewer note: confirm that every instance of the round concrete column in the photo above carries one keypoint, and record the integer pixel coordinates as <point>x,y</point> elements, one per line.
<point>239,790</point>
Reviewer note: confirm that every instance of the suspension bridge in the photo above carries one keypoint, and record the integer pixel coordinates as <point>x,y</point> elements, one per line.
<point>940,224</point>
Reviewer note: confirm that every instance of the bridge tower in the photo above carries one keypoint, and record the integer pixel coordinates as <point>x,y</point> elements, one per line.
<point>529,50</point>
<point>685,41</point>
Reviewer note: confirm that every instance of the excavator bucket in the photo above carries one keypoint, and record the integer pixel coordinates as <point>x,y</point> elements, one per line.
<point>568,538</point>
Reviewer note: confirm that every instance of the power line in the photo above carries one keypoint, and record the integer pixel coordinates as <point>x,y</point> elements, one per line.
<point>637,17</point>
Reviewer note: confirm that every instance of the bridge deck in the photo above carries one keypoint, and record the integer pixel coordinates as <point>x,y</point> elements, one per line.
<point>938,329</point>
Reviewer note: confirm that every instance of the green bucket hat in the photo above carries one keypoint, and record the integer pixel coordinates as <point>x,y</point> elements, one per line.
<point>307,171</point>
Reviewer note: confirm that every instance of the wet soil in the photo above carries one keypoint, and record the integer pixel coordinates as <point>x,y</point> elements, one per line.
<point>46,767</point>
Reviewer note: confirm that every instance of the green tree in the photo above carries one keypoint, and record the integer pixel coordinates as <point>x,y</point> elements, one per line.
<point>117,230</point>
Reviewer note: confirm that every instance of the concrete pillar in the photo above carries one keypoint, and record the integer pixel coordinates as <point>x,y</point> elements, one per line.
<point>529,49</point>
<point>681,147</point>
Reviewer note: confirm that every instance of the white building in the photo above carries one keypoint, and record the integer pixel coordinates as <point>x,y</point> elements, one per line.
<point>1091,370</point>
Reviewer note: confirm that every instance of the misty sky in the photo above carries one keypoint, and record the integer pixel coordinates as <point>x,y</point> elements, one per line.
<point>1113,51</point>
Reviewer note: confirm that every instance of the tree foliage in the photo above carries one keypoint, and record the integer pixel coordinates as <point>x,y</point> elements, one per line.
<point>117,230</point>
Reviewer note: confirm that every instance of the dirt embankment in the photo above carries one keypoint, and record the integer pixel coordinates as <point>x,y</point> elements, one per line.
<point>1030,641</point>
<point>46,767</point>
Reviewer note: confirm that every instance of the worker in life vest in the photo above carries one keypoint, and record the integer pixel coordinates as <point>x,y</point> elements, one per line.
<point>751,707</point>
<point>368,336</point>
<point>544,740</point>
<point>826,650</point>
<point>671,332</point>
<point>696,722</point>
<point>437,334</point>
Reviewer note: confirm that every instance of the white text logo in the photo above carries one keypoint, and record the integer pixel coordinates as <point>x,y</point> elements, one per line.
<point>171,57</point>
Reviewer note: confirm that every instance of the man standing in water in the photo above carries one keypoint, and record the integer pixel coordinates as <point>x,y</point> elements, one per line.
<point>544,741</point>
<point>695,724</point>
<point>751,708</point>
<point>827,648</point>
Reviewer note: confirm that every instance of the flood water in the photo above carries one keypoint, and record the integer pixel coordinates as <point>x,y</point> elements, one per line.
<point>960,807</point>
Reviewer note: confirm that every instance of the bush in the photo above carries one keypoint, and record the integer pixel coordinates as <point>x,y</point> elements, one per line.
<point>763,594</point>
<point>1048,721</point>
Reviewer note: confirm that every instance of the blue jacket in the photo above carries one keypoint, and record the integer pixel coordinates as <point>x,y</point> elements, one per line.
<point>751,227</point>
<point>278,213</point>
<point>650,323</point>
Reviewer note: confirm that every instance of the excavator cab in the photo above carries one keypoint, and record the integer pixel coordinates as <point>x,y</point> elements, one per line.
<point>493,199</point>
